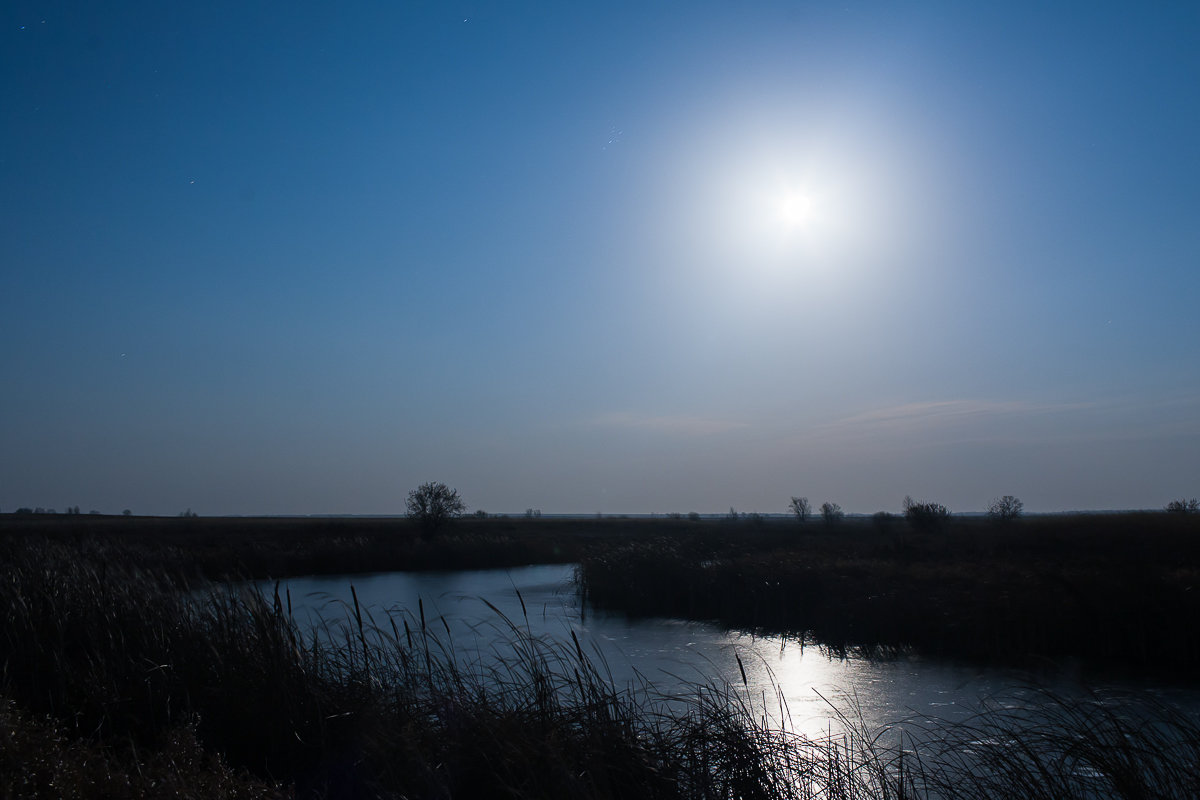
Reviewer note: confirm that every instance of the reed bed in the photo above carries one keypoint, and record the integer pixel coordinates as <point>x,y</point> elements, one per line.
<point>116,683</point>
<point>1110,593</point>
<point>198,549</point>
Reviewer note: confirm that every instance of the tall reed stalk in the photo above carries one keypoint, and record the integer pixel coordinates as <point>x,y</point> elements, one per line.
<point>106,663</point>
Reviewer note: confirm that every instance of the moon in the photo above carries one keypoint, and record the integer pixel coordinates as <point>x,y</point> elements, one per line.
<point>795,210</point>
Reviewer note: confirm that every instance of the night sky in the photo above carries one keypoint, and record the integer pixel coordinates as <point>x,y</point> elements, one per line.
<point>291,258</point>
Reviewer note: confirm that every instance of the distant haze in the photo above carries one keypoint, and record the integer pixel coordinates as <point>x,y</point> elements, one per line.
<point>598,258</point>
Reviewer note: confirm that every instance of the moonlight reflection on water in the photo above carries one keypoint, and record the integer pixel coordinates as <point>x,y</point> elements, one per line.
<point>783,677</point>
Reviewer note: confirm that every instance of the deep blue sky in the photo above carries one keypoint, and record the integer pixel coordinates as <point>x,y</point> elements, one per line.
<point>301,257</point>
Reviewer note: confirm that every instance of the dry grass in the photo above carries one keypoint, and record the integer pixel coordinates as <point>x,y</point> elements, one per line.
<point>117,684</point>
<point>1117,592</point>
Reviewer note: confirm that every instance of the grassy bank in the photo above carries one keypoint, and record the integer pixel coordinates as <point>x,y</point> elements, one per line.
<point>214,548</point>
<point>1118,592</point>
<point>1113,592</point>
<point>117,685</point>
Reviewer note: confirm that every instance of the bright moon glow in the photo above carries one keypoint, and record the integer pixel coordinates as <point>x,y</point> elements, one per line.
<point>796,210</point>
<point>755,204</point>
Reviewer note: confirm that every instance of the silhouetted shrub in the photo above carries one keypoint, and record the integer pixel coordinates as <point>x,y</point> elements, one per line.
<point>1005,509</point>
<point>831,513</point>
<point>1184,506</point>
<point>926,516</point>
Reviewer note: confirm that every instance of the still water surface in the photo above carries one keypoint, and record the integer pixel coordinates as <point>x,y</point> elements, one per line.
<point>670,654</point>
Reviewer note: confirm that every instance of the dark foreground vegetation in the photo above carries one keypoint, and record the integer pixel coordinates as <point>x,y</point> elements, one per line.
<point>1101,592</point>
<point>198,549</point>
<point>1112,592</point>
<point>118,684</point>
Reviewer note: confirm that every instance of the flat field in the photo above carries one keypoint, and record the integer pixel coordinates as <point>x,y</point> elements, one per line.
<point>118,684</point>
<point>1112,592</point>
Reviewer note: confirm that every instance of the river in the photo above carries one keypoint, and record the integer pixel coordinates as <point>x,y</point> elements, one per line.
<point>806,683</point>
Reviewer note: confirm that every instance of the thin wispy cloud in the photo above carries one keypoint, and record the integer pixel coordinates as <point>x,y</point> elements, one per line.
<point>916,415</point>
<point>672,425</point>
<point>1009,421</point>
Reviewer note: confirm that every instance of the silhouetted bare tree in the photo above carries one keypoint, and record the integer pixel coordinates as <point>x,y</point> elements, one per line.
<point>432,504</point>
<point>831,513</point>
<point>1005,509</point>
<point>801,508</point>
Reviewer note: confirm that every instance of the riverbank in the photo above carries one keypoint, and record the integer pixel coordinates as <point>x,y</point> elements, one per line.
<point>1107,593</point>
<point>1098,592</point>
<point>118,685</point>
<point>199,549</point>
